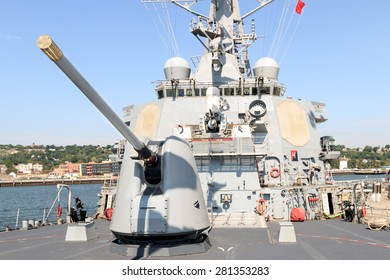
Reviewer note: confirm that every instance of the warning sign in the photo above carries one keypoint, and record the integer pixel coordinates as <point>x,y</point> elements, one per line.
<point>294,155</point>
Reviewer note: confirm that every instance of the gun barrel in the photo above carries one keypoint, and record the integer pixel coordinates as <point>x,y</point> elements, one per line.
<point>47,45</point>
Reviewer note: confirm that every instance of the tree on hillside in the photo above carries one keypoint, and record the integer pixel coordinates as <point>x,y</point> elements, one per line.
<point>367,149</point>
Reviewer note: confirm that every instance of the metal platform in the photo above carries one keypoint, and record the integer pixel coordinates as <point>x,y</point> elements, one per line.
<point>316,240</point>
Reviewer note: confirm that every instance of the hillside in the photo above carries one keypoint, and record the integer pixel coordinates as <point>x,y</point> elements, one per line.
<point>51,156</point>
<point>363,158</point>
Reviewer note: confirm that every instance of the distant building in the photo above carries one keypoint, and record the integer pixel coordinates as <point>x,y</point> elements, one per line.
<point>24,168</point>
<point>92,168</point>
<point>37,168</point>
<point>55,174</point>
<point>69,167</point>
<point>343,163</point>
<point>29,168</point>
<point>66,170</point>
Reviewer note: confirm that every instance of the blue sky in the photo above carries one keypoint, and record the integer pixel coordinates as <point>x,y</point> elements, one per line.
<point>339,55</point>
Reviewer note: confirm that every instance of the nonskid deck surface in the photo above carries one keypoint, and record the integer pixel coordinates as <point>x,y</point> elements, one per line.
<point>330,239</point>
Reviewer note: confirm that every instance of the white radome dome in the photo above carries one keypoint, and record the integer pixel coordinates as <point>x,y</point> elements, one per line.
<point>177,68</point>
<point>266,67</point>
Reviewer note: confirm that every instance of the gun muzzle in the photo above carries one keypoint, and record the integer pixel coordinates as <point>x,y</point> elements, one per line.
<point>47,45</point>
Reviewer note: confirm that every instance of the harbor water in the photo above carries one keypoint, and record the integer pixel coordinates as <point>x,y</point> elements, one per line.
<point>34,201</point>
<point>353,177</point>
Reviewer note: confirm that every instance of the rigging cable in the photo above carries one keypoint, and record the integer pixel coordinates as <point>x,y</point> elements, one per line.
<point>164,28</point>
<point>292,37</point>
<point>282,35</point>
<point>286,29</point>
<point>277,33</point>
<point>171,31</point>
<point>155,25</point>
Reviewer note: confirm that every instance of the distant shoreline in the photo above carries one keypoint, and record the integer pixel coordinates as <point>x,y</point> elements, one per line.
<point>359,172</point>
<point>50,182</point>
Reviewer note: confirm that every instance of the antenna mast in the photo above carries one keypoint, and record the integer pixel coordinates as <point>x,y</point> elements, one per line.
<point>223,30</point>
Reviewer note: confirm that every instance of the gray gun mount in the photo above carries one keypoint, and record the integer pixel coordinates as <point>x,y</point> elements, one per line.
<point>159,205</point>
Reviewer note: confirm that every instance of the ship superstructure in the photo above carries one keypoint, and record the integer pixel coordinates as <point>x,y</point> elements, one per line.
<point>248,139</point>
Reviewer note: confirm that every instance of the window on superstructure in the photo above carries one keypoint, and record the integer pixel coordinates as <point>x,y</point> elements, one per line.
<point>265,90</point>
<point>254,91</point>
<point>170,92</point>
<point>202,164</point>
<point>189,92</point>
<point>196,92</point>
<point>229,91</point>
<point>247,161</point>
<point>203,91</point>
<point>229,164</point>
<point>277,91</point>
<point>180,92</point>
<point>160,94</point>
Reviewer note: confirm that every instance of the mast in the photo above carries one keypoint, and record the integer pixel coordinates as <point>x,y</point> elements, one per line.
<point>222,31</point>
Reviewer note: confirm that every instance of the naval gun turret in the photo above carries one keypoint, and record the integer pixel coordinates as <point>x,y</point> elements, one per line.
<point>159,201</point>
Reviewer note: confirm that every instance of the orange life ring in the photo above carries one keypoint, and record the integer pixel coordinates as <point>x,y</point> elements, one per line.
<point>108,213</point>
<point>274,173</point>
<point>59,211</point>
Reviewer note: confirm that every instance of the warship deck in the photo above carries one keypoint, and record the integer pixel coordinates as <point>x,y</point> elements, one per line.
<point>332,239</point>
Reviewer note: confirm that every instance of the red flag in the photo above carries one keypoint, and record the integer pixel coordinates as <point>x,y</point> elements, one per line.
<point>299,7</point>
